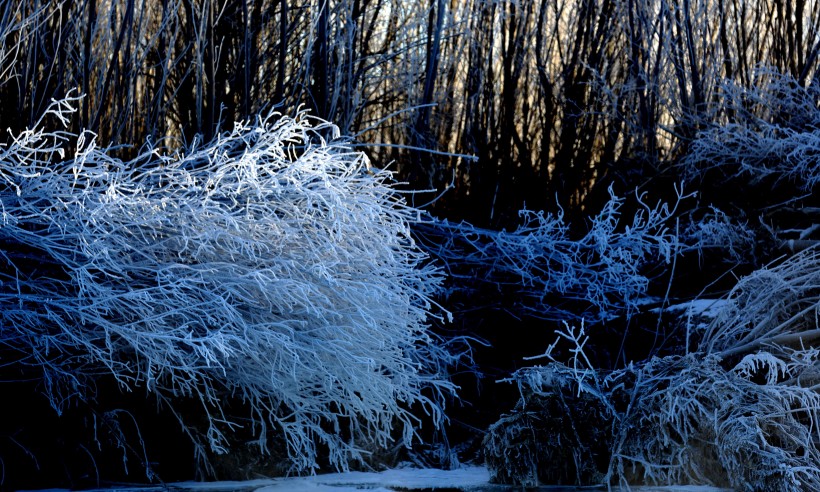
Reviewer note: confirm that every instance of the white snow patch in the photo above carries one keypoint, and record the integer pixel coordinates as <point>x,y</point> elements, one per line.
<point>706,308</point>
<point>679,488</point>
<point>406,478</point>
<point>470,478</point>
<point>412,478</point>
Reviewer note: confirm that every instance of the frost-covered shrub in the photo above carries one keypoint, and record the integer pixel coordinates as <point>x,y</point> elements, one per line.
<point>547,438</point>
<point>270,265</point>
<point>741,410</point>
<point>773,133</point>
<point>776,305</point>
<point>600,274</point>
<point>716,230</point>
<point>749,425</point>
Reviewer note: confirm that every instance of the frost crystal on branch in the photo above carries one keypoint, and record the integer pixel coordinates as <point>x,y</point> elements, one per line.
<point>267,265</point>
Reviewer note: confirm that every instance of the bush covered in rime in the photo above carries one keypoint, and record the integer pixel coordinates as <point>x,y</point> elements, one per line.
<point>271,265</point>
<point>770,137</point>
<point>735,401</point>
<point>740,410</point>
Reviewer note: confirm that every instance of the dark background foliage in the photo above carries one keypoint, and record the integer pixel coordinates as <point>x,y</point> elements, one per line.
<point>515,103</point>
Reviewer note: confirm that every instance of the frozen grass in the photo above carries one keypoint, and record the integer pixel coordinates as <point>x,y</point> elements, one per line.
<point>271,265</point>
<point>741,411</point>
<point>775,306</point>
<point>771,134</point>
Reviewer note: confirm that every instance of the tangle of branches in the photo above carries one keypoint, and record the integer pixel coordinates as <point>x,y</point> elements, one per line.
<point>269,265</point>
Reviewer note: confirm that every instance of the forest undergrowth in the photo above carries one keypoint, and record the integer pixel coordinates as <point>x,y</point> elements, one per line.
<point>740,410</point>
<point>734,400</point>
<point>292,293</point>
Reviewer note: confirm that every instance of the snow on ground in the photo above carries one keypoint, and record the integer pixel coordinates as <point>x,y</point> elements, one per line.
<point>468,479</point>
<point>404,478</point>
<point>707,308</point>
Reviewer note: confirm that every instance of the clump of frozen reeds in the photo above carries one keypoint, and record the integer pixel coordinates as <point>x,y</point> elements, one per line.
<point>742,410</point>
<point>270,265</point>
<point>548,438</point>
<point>750,425</point>
<point>771,134</point>
<point>775,306</point>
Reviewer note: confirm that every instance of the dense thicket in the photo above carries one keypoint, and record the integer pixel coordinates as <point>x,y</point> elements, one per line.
<point>555,100</point>
<point>594,160</point>
<point>267,268</point>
